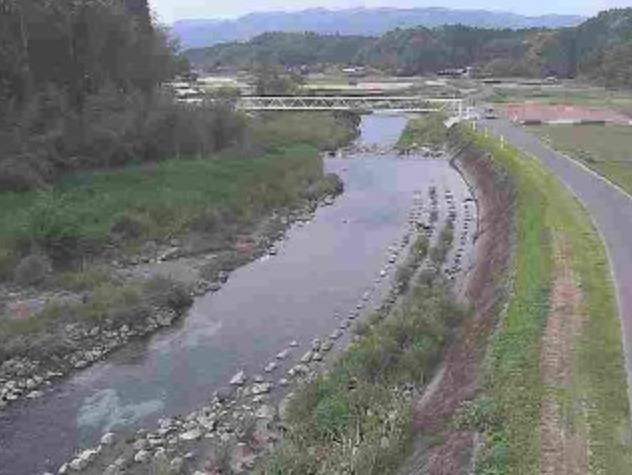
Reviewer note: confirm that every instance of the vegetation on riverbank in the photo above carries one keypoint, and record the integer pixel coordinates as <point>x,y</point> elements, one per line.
<point>592,400</point>
<point>424,132</point>
<point>604,149</point>
<point>358,416</point>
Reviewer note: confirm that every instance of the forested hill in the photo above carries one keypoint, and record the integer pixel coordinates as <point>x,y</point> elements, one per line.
<point>285,49</point>
<point>599,49</point>
<point>358,21</point>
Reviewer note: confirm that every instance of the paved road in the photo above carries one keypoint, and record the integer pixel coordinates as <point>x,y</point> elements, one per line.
<point>610,207</point>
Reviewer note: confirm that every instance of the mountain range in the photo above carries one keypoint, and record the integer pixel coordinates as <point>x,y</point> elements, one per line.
<point>360,21</point>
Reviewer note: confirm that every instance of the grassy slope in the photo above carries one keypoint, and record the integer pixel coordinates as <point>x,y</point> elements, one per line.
<point>513,381</point>
<point>607,150</point>
<point>428,131</point>
<point>356,418</point>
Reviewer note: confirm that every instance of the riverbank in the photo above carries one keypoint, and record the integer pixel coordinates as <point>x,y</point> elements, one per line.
<point>240,426</point>
<point>113,257</point>
<point>553,392</point>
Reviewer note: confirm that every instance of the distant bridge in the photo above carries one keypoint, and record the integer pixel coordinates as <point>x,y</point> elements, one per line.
<point>419,104</point>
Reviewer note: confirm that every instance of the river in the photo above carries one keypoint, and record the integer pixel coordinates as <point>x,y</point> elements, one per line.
<point>322,269</point>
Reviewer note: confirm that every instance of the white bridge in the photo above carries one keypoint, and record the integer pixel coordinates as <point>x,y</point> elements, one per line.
<point>419,104</point>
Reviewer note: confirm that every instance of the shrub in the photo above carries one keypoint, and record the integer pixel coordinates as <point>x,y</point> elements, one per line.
<point>127,225</point>
<point>165,292</point>
<point>32,270</point>
<point>52,225</point>
<point>331,417</point>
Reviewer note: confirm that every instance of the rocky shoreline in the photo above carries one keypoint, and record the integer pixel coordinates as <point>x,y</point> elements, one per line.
<point>246,419</point>
<point>23,378</point>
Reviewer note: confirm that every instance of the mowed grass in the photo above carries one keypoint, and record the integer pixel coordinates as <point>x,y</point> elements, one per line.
<point>607,150</point>
<point>597,399</point>
<point>160,200</point>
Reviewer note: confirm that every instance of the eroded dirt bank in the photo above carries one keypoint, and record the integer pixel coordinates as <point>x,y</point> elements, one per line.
<point>486,290</point>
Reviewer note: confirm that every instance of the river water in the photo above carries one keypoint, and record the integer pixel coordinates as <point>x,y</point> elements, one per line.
<point>322,268</point>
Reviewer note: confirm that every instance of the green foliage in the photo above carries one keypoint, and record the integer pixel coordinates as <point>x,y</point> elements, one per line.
<point>509,411</point>
<point>159,201</point>
<point>429,132</point>
<point>288,49</point>
<point>596,49</point>
<point>166,293</point>
<point>321,130</point>
<point>406,270</point>
<point>352,419</point>
<point>271,81</point>
<point>604,149</point>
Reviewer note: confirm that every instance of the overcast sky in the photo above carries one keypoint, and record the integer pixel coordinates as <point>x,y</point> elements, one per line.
<point>170,10</point>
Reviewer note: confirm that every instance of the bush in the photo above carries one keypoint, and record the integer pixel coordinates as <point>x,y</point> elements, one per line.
<point>32,270</point>
<point>127,225</point>
<point>51,225</point>
<point>167,293</point>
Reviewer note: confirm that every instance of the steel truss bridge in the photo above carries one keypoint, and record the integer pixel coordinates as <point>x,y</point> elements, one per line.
<point>419,104</point>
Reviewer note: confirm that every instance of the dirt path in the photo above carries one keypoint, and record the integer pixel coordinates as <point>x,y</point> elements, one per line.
<point>564,445</point>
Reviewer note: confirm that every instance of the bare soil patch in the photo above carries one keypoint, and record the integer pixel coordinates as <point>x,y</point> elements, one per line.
<point>532,112</point>
<point>564,447</point>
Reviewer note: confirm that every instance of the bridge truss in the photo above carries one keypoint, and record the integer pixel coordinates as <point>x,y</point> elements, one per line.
<point>417,104</point>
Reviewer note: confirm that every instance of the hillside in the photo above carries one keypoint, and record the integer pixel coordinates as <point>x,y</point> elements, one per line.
<point>283,48</point>
<point>598,50</point>
<point>360,21</point>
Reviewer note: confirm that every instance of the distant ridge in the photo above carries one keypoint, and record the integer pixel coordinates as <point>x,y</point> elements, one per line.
<point>358,21</point>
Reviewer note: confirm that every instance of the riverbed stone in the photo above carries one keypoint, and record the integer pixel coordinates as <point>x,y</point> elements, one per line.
<point>266,412</point>
<point>193,434</point>
<point>176,464</point>
<point>307,357</point>
<point>141,444</point>
<point>239,379</point>
<point>283,355</point>
<point>142,456</point>
<point>108,439</point>
<point>270,367</point>
<point>262,388</point>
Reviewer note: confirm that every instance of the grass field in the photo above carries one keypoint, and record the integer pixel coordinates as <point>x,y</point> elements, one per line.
<point>595,402</point>
<point>607,150</point>
<point>576,95</point>
<point>158,201</point>
<point>427,131</point>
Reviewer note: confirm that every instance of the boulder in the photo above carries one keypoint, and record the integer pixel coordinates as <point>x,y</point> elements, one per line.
<point>108,439</point>
<point>262,388</point>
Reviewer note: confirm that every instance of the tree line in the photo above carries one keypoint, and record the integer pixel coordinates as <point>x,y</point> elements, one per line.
<point>600,49</point>
<point>80,88</point>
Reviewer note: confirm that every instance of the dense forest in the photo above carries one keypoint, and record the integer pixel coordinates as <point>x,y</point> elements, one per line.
<point>80,88</point>
<point>600,49</point>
